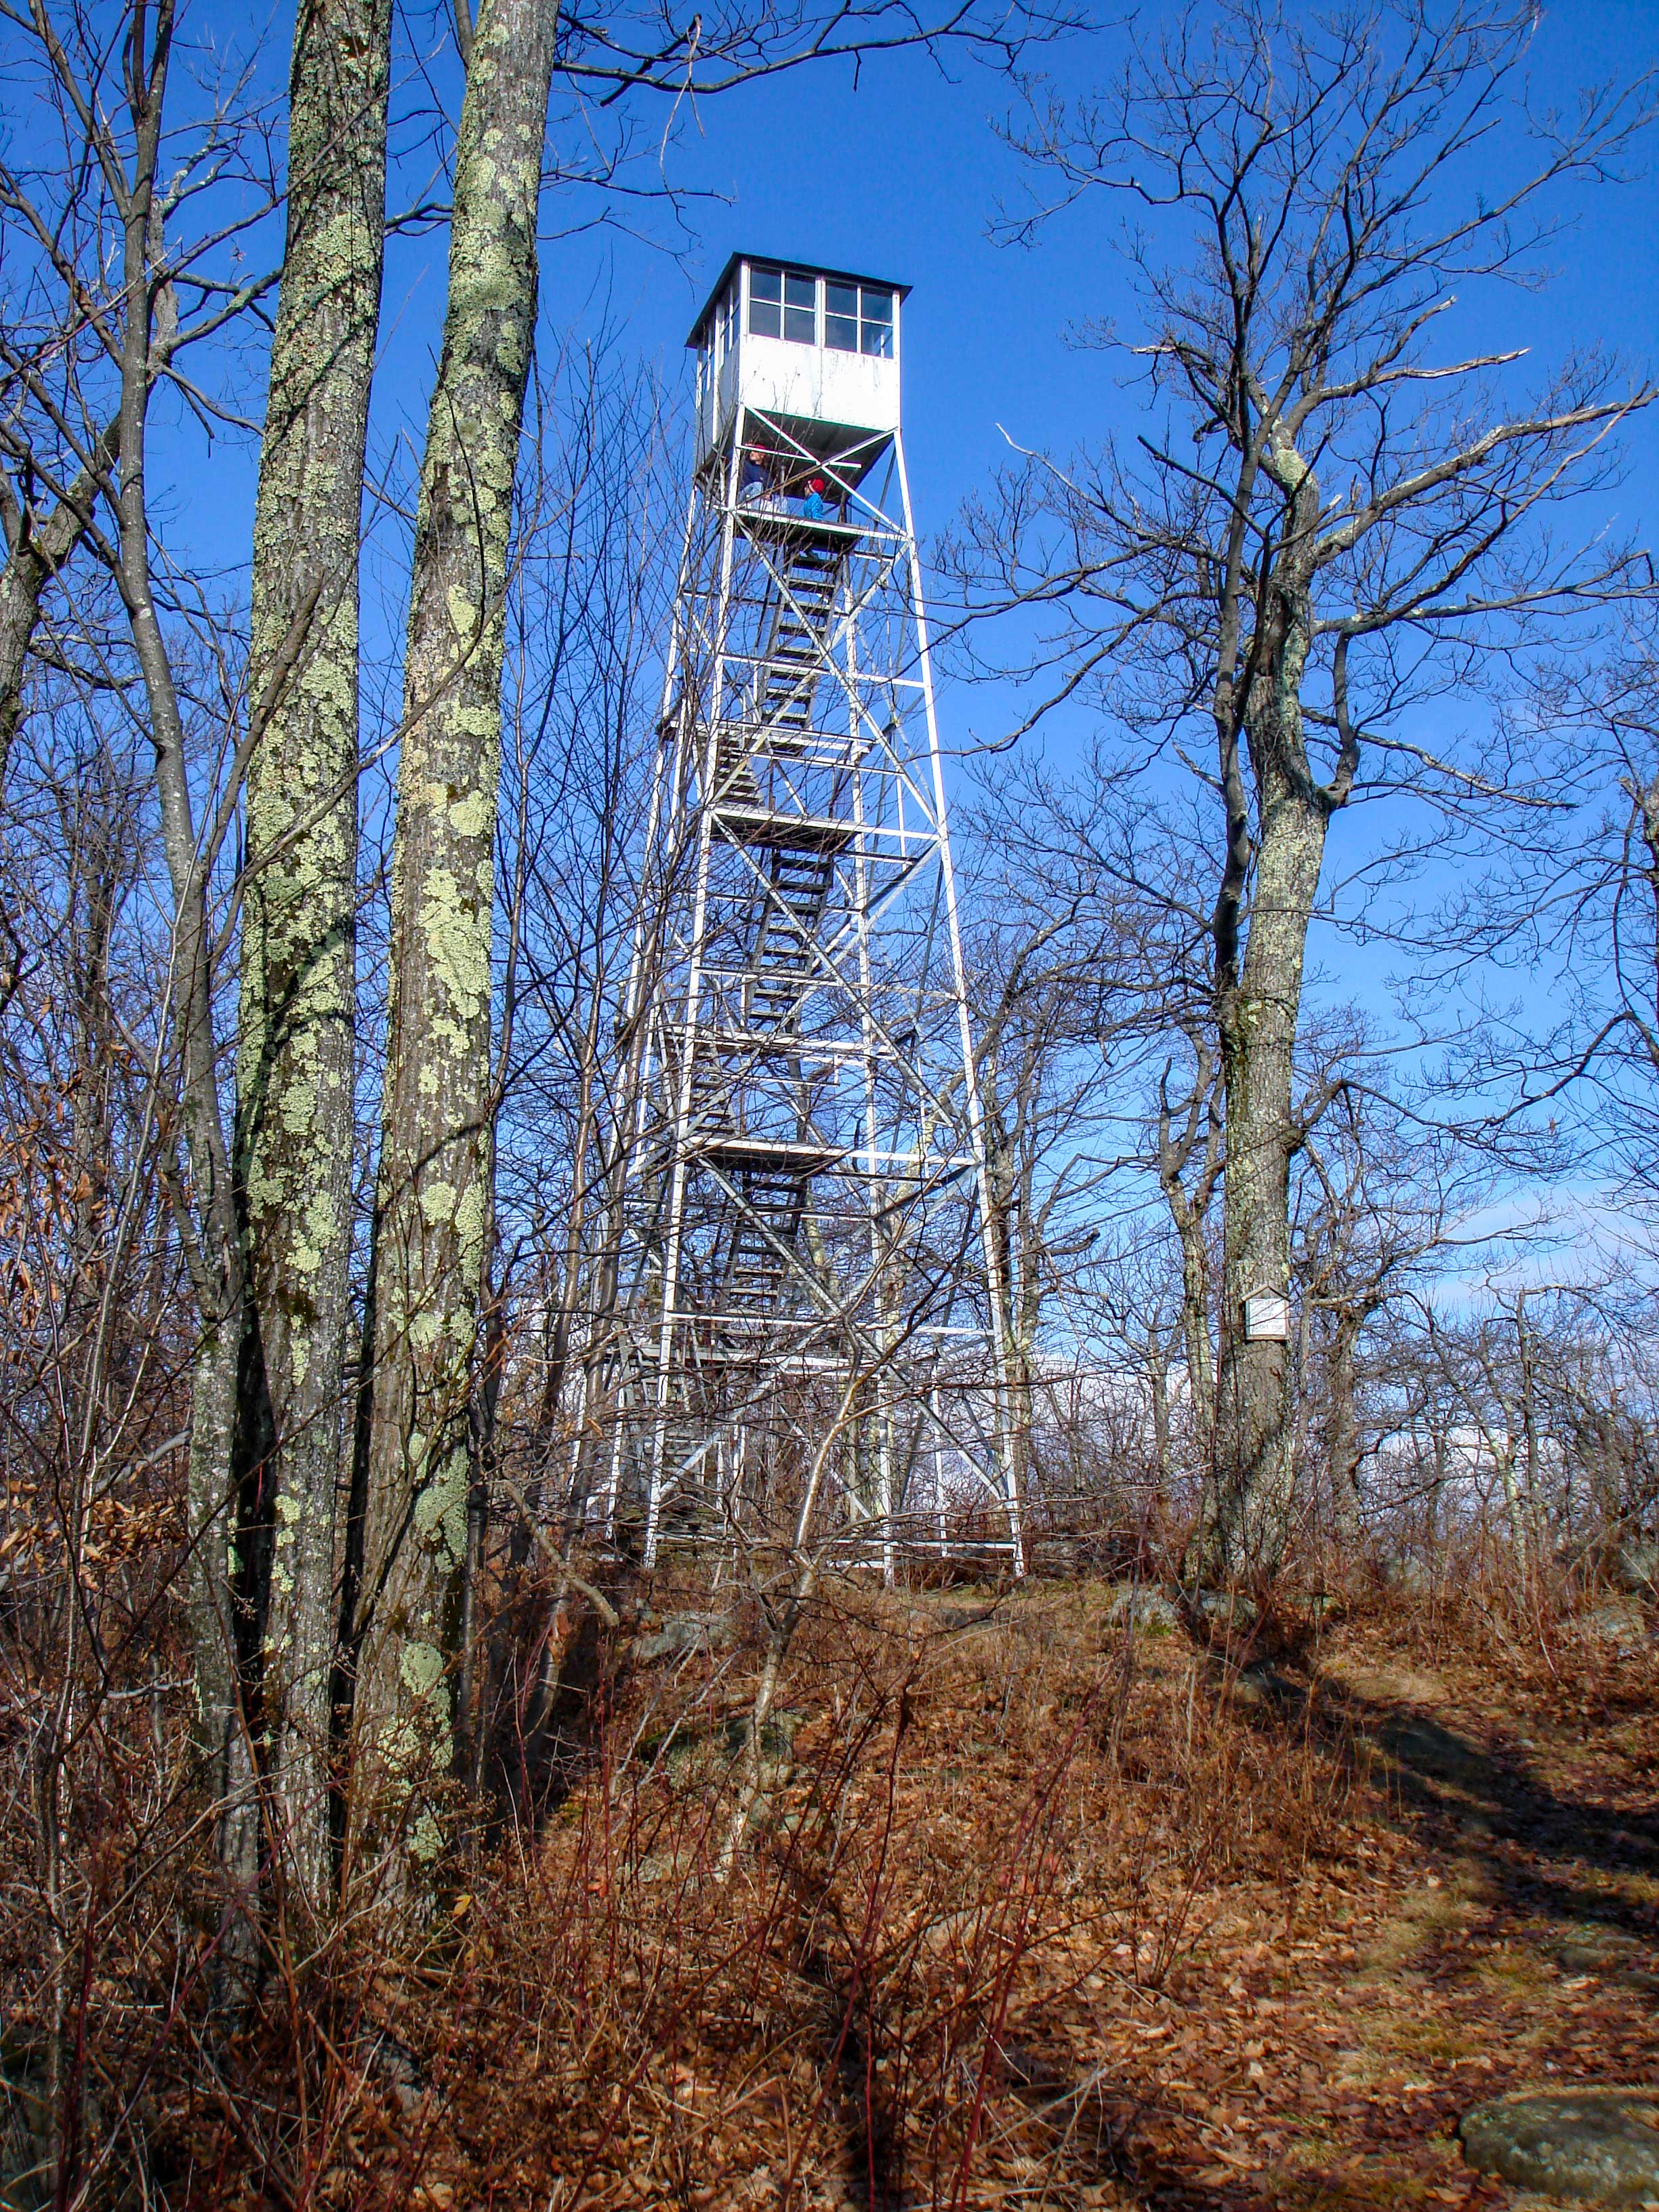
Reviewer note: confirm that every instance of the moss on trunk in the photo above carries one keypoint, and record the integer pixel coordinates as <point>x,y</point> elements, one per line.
<point>295,1060</point>
<point>1246,1524</point>
<point>435,1155</point>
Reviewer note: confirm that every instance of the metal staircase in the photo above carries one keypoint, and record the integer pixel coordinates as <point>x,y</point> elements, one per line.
<point>782,956</point>
<point>794,1183</point>
<point>802,614</point>
<point>763,1240</point>
<point>795,865</point>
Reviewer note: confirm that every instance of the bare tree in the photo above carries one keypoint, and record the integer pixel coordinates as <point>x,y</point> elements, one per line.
<point>1491,1357</point>
<point>1383,1197</point>
<point>1037,985</point>
<point>432,1203</point>
<point>1328,520</point>
<point>1587,911</point>
<point>1111,884</point>
<point>296,1061</point>
<point>37,545</point>
<point>103,238</point>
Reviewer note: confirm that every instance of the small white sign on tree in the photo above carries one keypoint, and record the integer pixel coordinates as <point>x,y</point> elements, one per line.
<point>1267,1313</point>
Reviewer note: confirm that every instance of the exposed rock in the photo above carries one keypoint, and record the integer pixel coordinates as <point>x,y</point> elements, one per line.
<point>1619,1620</point>
<point>1598,2146</point>
<point>1590,1948</point>
<point>1637,1566</point>
<point>1145,1608</point>
<point>681,1633</point>
<point>1224,1608</point>
<point>697,1748</point>
<point>966,1616</point>
<point>1056,1555</point>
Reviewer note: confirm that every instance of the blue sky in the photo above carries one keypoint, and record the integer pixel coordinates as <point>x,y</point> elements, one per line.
<point>902,172</point>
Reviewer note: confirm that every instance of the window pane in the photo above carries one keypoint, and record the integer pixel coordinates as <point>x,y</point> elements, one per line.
<point>878,322</point>
<point>800,309</point>
<point>765,294</point>
<point>842,331</point>
<point>840,299</point>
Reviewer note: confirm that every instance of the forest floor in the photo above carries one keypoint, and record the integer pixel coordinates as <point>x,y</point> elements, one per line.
<point>1486,1917</point>
<point>1032,1910</point>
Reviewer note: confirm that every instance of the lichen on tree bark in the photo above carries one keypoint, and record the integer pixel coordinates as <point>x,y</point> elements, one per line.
<point>296,1058</point>
<point>1257,1009</point>
<point>435,1155</point>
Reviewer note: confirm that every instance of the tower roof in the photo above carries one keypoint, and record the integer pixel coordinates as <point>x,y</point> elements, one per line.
<point>782,261</point>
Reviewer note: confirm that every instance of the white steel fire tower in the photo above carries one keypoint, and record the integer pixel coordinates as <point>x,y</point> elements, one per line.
<point>806,1284</point>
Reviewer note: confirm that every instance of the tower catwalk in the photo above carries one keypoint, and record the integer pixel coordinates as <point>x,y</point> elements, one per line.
<point>804,1338</point>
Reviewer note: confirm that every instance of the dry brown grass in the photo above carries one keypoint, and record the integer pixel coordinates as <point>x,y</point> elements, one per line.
<point>1034,1912</point>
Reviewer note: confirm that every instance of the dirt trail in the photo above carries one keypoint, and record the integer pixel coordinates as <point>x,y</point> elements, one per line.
<point>1502,1928</point>
<point>1050,1915</point>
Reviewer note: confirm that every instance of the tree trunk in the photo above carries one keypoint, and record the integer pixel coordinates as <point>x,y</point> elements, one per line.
<point>1258,1024</point>
<point>217,1629</point>
<point>1189,1212</point>
<point>436,1148</point>
<point>1346,1523</point>
<point>1158,1380</point>
<point>35,555</point>
<point>1442,1453</point>
<point>102,865</point>
<point>1513,1510</point>
<point>296,1059</point>
<point>1195,1331</point>
<point>1012,1297</point>
<point>1533,1518</point>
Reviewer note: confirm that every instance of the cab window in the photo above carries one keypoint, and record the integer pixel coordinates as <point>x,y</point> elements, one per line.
<point>783,305</point>
<point>800,309</point>
<point>766,302</point>
<point>858,319</point>
<point>876,321</point>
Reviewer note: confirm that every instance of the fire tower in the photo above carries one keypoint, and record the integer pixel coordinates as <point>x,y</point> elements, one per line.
<point>806,1288</point>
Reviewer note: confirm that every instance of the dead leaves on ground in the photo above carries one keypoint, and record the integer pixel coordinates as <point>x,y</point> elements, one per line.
<point>1038,1918</point>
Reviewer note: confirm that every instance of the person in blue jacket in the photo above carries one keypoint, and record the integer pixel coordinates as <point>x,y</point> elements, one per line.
<point>755,480</point>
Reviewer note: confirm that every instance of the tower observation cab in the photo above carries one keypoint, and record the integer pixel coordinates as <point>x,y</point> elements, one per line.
<point>803,1339</point>
<point>814,348</point>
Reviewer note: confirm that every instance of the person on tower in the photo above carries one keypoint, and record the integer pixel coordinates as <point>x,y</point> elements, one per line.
<point>754,481</point>
<point>816,504</point>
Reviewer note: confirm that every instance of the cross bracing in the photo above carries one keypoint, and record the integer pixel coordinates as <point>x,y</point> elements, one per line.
<point>805,1289</point>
